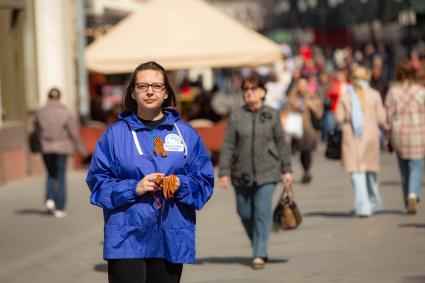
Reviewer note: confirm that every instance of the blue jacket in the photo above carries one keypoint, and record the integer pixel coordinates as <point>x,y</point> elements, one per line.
<point>134,226</point>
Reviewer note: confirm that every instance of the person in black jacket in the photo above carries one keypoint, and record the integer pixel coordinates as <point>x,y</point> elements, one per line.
<point>254,157</point>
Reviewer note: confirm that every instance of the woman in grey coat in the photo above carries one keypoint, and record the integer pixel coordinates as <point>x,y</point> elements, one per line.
<point>254,157</point>
<point>58,131</point>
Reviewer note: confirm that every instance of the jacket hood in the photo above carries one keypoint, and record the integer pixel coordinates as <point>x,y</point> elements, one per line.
<point>130,118</point>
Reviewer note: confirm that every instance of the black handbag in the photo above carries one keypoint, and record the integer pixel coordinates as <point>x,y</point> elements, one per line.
<point>34,142</point>
<point>286,214</point>
<point>333,144</point>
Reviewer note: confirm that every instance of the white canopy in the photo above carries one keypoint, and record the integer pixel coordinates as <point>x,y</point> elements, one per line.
<point>179,34</point>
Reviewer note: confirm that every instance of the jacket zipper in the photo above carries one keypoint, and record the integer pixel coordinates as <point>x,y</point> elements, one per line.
<point>159,210</point>
<point>254,173</point>
<point>153,143</point>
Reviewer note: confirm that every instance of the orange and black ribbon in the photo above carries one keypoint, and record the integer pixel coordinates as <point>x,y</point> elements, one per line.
<point>159,147</point>
<point>169,186</point>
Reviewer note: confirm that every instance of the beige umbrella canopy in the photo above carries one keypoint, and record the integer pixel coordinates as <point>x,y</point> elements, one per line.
<point>179,34</point>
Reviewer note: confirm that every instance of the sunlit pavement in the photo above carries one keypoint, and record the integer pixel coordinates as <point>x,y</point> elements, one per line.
<point>330,246</point>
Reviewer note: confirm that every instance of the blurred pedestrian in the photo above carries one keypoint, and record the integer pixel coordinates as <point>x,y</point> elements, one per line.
<point>308,104</point>
<point>323,86</point>
<point>58,132</point>
<point>378,80</point>
<point>150,172</point>
<point>405,104</point>
<point>254,157</point>
<point>360,111</point>
<point>276,97</point>
<point>201,107</point>
<point>338,86</point>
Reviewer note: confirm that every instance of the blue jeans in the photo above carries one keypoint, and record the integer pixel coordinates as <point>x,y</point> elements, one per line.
<point>254,207</point>
<point>329,123</point>
<point>411,171</point>
<point>56,186</point>
<point>366,193</point>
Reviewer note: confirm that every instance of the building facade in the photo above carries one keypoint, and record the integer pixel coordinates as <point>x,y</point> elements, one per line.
<point>37,52</point>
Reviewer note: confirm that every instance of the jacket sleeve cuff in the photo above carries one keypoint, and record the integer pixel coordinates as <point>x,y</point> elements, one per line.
<point>128,193</point>
<point>287,169</point>
<point>223,172</point>
<point>132,194</point>
<point>183,191</point>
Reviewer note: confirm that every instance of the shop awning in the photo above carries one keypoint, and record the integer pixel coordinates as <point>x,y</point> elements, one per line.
<point>179,34</point>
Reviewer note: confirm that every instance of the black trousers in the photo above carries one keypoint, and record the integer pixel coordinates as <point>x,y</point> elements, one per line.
<point>138,270</point>
<point>305,158</point>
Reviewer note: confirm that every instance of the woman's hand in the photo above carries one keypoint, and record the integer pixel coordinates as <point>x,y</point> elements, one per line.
<point>224,182</point>
<point>147,184</point>
<point>288,178</point>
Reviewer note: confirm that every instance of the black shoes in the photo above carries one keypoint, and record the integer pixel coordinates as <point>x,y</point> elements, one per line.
<point>306,179</point>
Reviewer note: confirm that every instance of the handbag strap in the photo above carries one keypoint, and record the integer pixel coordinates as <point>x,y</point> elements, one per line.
<point>287,192</point>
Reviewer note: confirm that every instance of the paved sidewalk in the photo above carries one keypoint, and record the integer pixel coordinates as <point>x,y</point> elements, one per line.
<point>330,246</point>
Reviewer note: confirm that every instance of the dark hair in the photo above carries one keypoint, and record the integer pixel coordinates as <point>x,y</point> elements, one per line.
<point>130,104</point>
<point>253,79</point>
<point>405,71</point>
<point>54,93</point>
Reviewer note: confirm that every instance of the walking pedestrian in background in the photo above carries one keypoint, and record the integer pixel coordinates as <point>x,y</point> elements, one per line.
<point>150,172</point>
<point>254,157</point>
<point>276,97</point>
<point>308,104</point>
<point>58,133</point>
<point>405,104</point>
<point>337,86</point>
<point>361,112</point>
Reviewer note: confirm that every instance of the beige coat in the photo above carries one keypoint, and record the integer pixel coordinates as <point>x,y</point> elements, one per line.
<point>58,129</point>
<point>310,135</point>
<point>361,155</point>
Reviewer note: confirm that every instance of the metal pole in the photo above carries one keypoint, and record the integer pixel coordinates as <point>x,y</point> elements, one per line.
<point>84,100</point>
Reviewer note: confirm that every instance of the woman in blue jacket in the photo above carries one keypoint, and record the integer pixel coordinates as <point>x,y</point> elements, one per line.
<point>150,172</point>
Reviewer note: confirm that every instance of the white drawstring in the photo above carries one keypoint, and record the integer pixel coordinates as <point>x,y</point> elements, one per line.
<point>181,137</point>
<point>136,142</point>
<point>139,149</point>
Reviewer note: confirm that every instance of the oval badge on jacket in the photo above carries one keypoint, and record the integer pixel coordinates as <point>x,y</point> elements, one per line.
<point>173,143</point>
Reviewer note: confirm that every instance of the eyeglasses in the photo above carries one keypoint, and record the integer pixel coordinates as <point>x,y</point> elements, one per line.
<point>254,88</point>
<point>143,87</point>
